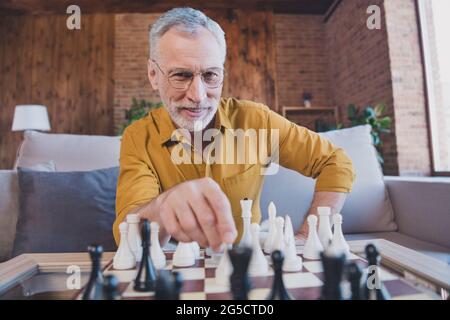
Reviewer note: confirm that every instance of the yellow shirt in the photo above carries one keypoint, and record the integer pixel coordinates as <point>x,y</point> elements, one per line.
<point>151,148</point>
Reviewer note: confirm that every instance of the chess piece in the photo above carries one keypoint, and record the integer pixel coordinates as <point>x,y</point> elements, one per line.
<point>373,289</point>
<point>156,252</point>
<point>338,241</point>
<point>196,249</point>
<point>110,287</point>
<point>239,280</point>
<point>224,268</point>
<point>279,243</point>
<point>292,263</point>
<point>324,231</point>
<point>246,239</point>
<point>124,257</point>
<point>168,285</point>
<point>272,229</point>
<point>278,291</point>
<point>94,287</point>
<point>258,262</point>
<point>333,268</point>
<point>184,256</point>
<point>354,274</point>
<point>134,236</point>
<point>313,247</point>
<point>146,276</point>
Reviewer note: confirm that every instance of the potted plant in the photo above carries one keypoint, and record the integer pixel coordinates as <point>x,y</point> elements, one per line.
<point>307,97</point>
<point>138,110</point>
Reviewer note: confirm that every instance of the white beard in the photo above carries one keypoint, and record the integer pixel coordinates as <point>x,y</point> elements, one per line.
<point>190,125</point>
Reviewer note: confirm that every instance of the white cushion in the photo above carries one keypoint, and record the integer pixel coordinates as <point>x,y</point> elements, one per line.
<point>70,152</point>
<point>367,208</point>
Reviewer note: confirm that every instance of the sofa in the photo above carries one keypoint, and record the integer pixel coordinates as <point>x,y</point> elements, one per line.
<point>411,211</point>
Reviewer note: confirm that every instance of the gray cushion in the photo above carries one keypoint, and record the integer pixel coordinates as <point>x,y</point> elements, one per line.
<point>367,208</point>
<point>65,211</point>
<point>70,152</point>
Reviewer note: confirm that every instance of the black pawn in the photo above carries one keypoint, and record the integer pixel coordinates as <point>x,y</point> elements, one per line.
<point>168,285</point>
<point>239,280</point>
<point>94,287</point>
<point>279,291</point>
<point>373,289</point>
<point>333,268</point>
<point>110,287</point>
<point>146,276</point>
<point>354,275</point>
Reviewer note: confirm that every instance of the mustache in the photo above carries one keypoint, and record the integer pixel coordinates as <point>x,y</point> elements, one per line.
<point>194,106</point>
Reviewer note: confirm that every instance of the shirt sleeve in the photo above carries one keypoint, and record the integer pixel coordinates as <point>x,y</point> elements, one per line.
<point>137,183</point>
<point>312,155</point>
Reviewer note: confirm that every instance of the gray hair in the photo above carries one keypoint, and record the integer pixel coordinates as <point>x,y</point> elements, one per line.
<point>188,20</point>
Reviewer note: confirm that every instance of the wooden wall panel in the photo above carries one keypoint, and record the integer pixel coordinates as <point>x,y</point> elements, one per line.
<point>69,71</point>
<point>251,61</point>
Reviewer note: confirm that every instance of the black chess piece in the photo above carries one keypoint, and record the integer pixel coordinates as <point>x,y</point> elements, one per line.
<point>110,287</point>
<point>94,287</point>
<point>373,289</point>
<point>146,276</point>
<point>279,291</point>
<point>354,274</point>
<point>333,268</point>
<point>239,279</point>
<point>168,285</point>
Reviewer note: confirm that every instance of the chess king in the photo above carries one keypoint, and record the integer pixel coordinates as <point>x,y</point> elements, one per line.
<point>168,176</point>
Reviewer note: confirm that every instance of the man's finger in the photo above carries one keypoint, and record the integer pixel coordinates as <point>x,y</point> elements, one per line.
<point>189,223</point>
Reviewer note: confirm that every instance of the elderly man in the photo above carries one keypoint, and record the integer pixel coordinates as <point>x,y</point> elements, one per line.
<point>200,200</point>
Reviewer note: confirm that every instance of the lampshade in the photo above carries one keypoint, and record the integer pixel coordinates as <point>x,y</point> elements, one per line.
<point>30,117</point>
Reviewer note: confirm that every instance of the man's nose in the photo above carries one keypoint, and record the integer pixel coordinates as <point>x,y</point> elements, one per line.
<point>197,90</point>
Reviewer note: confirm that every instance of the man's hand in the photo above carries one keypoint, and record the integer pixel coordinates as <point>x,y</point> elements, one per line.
<point>196,210</point>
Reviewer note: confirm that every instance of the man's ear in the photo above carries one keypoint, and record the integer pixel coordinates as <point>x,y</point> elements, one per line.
<point>151,72</point>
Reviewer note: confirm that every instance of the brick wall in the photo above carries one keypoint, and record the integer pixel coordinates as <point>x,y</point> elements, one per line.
<point>301,59</point>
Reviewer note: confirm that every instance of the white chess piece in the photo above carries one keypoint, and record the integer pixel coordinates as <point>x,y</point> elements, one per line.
<point>292,262</point>
<point>196,249</point>
<point>338,241</point>
<point>184,255</point>
<point>324,231</point>
<point>279,243</point>
<point>258,262</point>
<point>224,268</point>
<point>246,239</point>
<point>272,229</point>
<point>313,247</point>
<point>156,252</point>
<point>124,257</point>
<point>134,235</point>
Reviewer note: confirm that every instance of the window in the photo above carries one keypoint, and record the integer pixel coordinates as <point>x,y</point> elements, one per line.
<point>435,28</point>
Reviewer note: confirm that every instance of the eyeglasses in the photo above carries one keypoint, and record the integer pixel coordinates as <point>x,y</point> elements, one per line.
<point>181,79</point>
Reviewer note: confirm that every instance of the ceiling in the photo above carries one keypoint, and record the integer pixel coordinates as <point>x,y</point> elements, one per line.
<point>44,7</point>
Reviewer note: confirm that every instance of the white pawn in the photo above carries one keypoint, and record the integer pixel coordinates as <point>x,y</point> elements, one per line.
<point>184,255</point>
<point>258,262</point>
<point>272,229</point>
<point>224,268</point>
<point>313,247</point>
<point>324,230</point>
<point>124,257</point>
<point>156,252</point>
<point>196,249</point>
<point>279,243</point>
<point>246,239</point>
<point>338,242</point>
<point>134,235</point>
<point>292,262</point>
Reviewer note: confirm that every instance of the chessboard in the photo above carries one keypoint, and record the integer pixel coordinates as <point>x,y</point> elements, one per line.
<point>199,281</point>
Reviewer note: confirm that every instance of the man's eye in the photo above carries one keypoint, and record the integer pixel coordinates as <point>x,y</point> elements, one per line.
<point>210,75</point>
<point>180,76</point>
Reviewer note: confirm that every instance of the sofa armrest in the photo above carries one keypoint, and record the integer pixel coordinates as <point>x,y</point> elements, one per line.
<point>9,208</point>
<point>422,207</point>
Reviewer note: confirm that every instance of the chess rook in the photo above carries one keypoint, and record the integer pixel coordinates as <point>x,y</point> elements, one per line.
<point>124,257</point>
<point>134,235</point>
<point>94,287</point>
<point>324,231</point>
